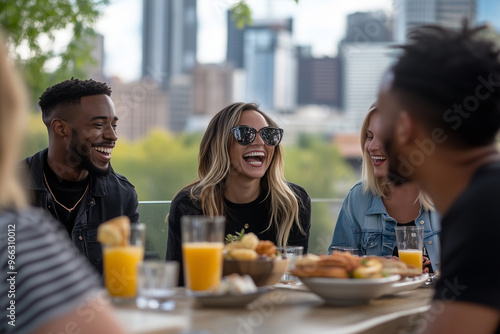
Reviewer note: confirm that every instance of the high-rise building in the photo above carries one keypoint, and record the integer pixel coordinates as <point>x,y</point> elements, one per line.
<point>234,50</point>
<point>140,106</point>
<point>363,66</point>
<point>368,27</point>
<point>410,14</point>
<point>450,13</point>
<point>213,86</point>
<point>181,101</point>
<point>168,38</point>
<point>266,52</point>
<point>95,68</point>
<point>318,80</point>
<point>364,55</point>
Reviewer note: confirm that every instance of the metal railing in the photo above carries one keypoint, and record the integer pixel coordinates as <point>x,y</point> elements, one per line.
<point>323,219</point>
<point>313,200</point>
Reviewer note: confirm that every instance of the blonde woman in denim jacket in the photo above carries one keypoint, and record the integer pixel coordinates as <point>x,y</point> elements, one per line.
<point>374,207</point>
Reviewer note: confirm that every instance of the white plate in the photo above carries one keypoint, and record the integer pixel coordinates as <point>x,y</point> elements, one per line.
<point>291,286</point>
<point>408,283</point>
<point>230,300</point>
<point>349,291</point>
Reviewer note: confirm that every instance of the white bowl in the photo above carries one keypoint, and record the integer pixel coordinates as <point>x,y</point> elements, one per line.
<point>349,291</point>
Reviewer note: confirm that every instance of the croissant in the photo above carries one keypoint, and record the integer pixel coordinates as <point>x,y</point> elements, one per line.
<point>266,247</point>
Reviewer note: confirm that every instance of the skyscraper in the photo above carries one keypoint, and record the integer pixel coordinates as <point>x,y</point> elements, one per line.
<point>141,106</point>
<point>364,56</point>
<point>266,52</point>
<point>450,13</point>
<point>410,14</point>
<point>318,79</point>
<point>213,84</point>
<point>95,70</point>
<point>368,27</point>
<point>363,65</point>
<point>234,49</point>
<point>168,38</point>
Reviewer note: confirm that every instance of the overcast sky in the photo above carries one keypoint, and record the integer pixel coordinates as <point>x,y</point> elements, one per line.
<point>319,23</point>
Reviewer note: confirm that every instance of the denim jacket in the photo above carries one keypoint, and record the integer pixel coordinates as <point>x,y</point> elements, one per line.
<point>108,197</point>
<point>364,224</point>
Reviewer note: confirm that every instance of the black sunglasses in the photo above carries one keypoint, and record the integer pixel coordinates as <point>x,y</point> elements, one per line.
<point>245,135</point>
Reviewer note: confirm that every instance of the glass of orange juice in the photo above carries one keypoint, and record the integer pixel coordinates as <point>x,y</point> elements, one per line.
<point>120,265</point>
<point>202,245</point>
<point>410,242</point>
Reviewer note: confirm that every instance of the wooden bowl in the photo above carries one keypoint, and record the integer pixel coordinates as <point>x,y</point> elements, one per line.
<point>262,271</point>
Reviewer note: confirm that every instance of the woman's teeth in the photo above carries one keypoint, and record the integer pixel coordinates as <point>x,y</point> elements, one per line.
<point>254,158</point>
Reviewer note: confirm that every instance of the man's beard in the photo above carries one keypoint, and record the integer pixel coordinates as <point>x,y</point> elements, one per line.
<point>393,174</point>
<point>82,154</point>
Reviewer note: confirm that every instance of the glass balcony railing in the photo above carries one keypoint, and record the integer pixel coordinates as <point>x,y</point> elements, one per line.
<point>323,219</point>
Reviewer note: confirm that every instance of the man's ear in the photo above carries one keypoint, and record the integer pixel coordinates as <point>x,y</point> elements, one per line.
<point>60,127</point>
<point>405,131</point>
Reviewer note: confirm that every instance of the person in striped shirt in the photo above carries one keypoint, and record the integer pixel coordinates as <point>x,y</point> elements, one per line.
<point>47,287</point>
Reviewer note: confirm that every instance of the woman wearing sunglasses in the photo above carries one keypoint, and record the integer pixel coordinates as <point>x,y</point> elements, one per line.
<point>241,177</point>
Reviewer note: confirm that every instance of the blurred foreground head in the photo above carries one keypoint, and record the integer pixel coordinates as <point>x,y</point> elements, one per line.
<point>448,82</point>
<point>13,103</point>
<point>450,79</point>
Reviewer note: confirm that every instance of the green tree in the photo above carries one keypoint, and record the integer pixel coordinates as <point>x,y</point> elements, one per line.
<point>159,165</point>
<point>36,137</point>
<point>31,27</point>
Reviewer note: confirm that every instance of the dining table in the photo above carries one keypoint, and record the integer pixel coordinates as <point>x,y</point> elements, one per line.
<point>291,309</point>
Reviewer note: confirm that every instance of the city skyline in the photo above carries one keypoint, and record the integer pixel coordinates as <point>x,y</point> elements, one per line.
<point>122,33</point>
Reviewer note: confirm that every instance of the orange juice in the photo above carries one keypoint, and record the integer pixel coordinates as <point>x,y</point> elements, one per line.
<point>412,257</point>
<point>120,269</point>
<point>202,264</point>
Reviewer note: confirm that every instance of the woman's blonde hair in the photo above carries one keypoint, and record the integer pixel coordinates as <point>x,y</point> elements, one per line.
<point>12,125</point>
<point>215,164</point>
<point>378,185</point>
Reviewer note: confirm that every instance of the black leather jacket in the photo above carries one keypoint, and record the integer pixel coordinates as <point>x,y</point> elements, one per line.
<point>108,197</point>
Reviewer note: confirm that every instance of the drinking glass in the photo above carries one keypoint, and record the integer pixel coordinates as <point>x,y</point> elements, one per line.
<point>344,249</point>
<point>410,242</point>
<point>202,245</point>
<point>292,253</point>
<point>156,281</point>
<point>120,265</point>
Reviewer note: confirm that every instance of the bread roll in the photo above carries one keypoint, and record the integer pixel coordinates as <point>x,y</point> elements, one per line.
<point>308,260</point>
<point>249,241</point>
<point>243,254</point>
<point>114,232</point>
<point>332,272</point>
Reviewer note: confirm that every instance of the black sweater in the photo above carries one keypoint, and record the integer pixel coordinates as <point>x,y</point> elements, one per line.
<point>256,214</point>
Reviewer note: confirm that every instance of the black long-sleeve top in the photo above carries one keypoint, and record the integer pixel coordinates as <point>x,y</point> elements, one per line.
<point>254,215</point>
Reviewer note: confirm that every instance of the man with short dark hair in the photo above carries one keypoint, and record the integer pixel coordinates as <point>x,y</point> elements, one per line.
<point>440,113</point>
<point>73,179</point>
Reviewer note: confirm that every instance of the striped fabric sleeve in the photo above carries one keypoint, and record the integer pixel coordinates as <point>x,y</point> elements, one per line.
<point>46,277</point>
